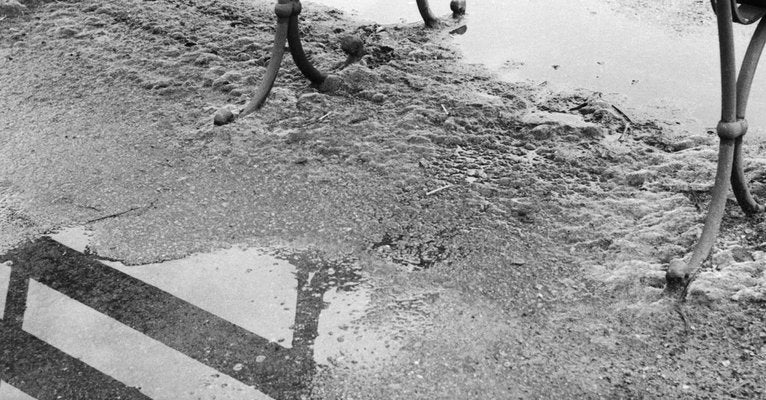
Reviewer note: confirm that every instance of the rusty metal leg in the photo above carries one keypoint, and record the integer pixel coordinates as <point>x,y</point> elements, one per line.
<point>299,56</point>
<point>425,12</point>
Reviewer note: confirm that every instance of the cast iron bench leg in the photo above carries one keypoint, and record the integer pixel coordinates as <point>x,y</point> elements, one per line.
<point>287,31</point>
<point>731,130</point>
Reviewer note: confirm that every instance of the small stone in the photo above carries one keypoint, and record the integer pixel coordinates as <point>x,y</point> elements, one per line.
<point>358,78</point>
<point>461,30</point>
<point>421,55</point>
<point>215,72</point>
<point>177,35</point>
<point>226,79</point>
<point>353,45</point>
<point>162,84</point>
<point>638,178</point>
<point>260,359</point>
<point>331,84</point>
<point>238,367</point>
<point>312,101</point>
<point>223,116</point>
<point>542,132</point>
<point>244,42</point>
<point>506,182</point>
<point>379,98</point>
<point>67,32</point>
<point>548,124</point>
<point>741,254</point>
<point>206,59</point>
<point>723,259</point>
<point>232,76</point>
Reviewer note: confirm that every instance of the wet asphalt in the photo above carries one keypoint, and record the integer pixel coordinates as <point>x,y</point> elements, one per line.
<point>45,275</point>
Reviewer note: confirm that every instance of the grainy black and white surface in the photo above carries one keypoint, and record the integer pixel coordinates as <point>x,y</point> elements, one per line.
<point>429,228</point>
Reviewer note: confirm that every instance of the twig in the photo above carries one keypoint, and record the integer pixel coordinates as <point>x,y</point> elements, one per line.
<point>318,120</point>
<point>627,118</point>
<point>121,213</point>
<point>445,109</point>
<point>445,187</point>
<point>580,107</point>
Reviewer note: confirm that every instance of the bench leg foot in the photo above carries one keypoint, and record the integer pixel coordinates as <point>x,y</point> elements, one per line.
<point>428,16</point>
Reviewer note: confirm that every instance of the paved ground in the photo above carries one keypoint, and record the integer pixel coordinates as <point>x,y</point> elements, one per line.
<point>496,242</point>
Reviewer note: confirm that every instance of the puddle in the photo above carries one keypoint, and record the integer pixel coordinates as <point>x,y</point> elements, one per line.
<point>7,391</point>
<point>381,11</point>
<point>240,323</point>
<point>89,336</point>
<point>640,66</point>
<point>245,286</point>
<point>340,338</point>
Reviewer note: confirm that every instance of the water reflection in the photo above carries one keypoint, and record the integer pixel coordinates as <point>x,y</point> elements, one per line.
<point>8,392</point>
<point>642,66</point>
<point>233,324</point>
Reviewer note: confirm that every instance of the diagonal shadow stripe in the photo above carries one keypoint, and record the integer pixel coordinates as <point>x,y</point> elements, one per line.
<point>47,373</point>
<point>178,324</point>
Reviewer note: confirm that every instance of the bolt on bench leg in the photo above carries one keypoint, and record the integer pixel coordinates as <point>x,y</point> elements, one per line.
<point>733,126</point>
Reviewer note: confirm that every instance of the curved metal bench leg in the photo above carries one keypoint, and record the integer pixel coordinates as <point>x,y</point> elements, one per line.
<point>288,31</point>
<point>277,53</point>
<point>425,12</point>
<point>731,130</point>
<point>744,83</point>
<point>299,56</point>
